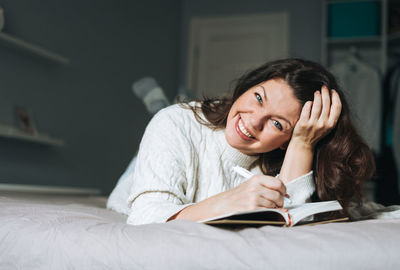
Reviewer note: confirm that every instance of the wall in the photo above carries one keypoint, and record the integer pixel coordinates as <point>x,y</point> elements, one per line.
<point>304,30</point>
<point>87,103</point>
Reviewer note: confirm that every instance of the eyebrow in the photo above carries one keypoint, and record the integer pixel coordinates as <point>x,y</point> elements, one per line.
<point>278,116</point>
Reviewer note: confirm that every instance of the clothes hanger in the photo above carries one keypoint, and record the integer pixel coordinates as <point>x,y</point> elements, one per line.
<point>353,58</point>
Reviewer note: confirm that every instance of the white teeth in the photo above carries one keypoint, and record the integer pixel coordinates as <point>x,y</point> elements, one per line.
<point>243,130</point>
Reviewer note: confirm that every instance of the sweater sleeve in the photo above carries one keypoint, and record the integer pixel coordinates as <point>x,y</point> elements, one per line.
<point>300,189</point>
<point>160,181</point>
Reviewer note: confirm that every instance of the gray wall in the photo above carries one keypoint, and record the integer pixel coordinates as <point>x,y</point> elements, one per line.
<point>88,103</point>
<point>304,31</point>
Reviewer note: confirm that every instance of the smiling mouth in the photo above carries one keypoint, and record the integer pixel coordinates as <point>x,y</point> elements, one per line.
<point>242,131</point>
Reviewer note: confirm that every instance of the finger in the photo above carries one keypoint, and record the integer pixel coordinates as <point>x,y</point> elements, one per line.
<point>272,197</point>
<point>326,103</point>
<point>317,107</point>
<point>336,109</point>
<point>273,184</point>
<point>305,112</point>
<point>266,203</point>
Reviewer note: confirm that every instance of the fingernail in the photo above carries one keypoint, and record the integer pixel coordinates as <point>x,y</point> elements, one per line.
<point>287,195</point>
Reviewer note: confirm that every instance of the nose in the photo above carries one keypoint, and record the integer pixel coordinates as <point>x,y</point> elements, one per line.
<point>258,119</point>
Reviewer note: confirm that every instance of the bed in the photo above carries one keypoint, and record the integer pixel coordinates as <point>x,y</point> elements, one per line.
<point>76,232</point>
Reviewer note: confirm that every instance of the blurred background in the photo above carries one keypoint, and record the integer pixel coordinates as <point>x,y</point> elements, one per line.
<point>70,120</point>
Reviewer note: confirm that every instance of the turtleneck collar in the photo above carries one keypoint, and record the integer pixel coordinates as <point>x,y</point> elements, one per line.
<point>232,154</point>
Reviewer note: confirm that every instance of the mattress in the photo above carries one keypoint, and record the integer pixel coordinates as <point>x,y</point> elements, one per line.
<point>66,232</point>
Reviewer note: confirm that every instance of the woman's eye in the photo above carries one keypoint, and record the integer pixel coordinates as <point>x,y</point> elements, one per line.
<point>278,125</point>
<point>259,98</point>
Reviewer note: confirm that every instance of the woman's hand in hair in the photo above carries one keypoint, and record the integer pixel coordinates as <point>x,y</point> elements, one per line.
<point>317,117</point>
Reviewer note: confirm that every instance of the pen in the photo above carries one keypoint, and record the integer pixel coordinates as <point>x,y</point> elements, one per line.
<point>246,174</point>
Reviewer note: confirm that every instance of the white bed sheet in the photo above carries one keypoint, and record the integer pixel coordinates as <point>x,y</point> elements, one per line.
<point>58,232</point>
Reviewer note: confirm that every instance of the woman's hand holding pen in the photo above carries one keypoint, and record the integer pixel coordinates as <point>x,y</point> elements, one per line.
<point>258,192</point>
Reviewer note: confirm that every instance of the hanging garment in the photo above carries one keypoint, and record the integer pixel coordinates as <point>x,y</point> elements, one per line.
<point>362,85</point>
<point>391,86</point>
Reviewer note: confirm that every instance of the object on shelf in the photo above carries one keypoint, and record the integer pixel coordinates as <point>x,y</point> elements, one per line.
<point>19,43</point>
<point>353,19</point>
<point>25,120</point>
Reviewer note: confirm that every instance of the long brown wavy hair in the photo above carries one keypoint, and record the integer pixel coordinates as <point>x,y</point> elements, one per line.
<point>342,160</point>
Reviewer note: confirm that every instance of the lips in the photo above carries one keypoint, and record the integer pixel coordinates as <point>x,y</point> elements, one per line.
<point>242,131</point>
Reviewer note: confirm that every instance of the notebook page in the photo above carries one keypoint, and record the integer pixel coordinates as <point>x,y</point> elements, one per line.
<point>298,212</point>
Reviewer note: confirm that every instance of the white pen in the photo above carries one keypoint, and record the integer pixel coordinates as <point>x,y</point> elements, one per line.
<point>246,174</point>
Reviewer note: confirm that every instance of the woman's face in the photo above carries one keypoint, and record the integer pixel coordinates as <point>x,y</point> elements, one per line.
<point>263,118</point>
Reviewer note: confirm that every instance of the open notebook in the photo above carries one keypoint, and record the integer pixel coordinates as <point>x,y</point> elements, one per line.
<point>296,214</point>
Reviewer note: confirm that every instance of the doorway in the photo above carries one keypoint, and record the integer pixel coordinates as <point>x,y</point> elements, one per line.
<point>223,48</point>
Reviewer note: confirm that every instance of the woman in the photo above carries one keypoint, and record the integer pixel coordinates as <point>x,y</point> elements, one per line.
<point>287,121</point>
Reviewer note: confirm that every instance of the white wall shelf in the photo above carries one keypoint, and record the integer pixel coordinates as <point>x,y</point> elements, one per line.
<point>14,133</point>
<point>34,49</point>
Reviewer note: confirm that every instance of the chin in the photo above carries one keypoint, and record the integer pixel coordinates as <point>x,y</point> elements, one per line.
<point>234,142</point>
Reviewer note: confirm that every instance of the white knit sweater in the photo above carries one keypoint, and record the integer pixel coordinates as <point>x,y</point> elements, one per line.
<point>181,162</point>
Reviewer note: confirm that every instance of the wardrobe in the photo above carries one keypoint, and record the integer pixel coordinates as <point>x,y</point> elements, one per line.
<point>361,46</point>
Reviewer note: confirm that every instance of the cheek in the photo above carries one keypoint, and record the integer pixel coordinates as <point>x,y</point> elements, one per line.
<point>231,114</point>
<point>274,140</point>
<point>230,132</point>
